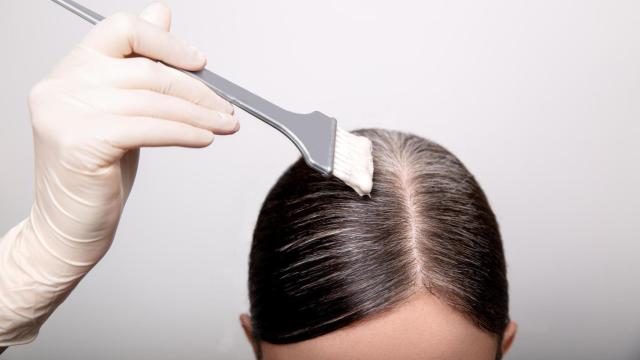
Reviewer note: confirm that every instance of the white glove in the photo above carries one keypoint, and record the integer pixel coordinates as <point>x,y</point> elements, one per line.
<point>89,117</point>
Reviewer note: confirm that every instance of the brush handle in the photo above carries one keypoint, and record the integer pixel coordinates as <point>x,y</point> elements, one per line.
<point>253,104</point>
<point>313,134</point>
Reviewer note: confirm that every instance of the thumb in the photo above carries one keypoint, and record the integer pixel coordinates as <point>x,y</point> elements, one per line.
<point>158,14</point>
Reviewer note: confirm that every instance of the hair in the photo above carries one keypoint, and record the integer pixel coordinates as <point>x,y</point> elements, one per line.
<point>323,257</point>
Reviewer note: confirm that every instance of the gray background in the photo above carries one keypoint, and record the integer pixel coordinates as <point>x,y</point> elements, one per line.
<point>539,98</point>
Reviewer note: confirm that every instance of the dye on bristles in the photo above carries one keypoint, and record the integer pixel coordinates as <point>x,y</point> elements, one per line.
<point>353,161</point>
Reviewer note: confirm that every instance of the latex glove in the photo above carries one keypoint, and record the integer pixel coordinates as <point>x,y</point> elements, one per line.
<point>89,117</point>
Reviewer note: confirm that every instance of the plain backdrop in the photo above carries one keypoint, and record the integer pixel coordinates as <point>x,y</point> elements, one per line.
<point>540,99</point>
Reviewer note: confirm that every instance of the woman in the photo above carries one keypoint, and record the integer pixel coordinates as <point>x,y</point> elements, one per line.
<point>311,289</point>
<point>416,271</point>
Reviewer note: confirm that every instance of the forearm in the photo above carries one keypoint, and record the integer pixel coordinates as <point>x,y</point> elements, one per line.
<point>33,282</point>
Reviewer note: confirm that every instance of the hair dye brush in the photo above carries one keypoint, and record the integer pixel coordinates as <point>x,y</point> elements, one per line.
<point>324,146</point>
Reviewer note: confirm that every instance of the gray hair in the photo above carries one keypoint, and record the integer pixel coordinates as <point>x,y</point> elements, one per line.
<point>323,257</point>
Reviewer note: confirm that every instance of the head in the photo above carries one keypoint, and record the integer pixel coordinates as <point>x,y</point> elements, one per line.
<point>416,271</point>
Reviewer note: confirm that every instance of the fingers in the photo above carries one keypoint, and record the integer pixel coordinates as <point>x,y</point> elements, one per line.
<point>129,133</point>
<point>154,104</point>
<point>157,14</point>
<point>123,34</point>
<point>142,73</point>
<point>145,103</point>
<point>147,35</point>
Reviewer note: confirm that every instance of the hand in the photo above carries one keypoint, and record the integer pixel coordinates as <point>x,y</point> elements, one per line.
<point>90,116</point>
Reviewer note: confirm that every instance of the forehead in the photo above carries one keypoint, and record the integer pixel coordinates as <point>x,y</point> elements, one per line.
<point>422,328</point>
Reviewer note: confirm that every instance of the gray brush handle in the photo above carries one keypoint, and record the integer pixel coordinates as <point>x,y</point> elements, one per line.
<point>237,95</point>
<point>313,134</point>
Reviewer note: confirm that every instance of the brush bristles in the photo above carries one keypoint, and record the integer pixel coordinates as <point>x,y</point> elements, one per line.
<point>353,161</point>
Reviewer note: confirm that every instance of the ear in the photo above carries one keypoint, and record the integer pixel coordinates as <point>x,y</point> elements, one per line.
<point>508,336</point>
<point>245,321</point>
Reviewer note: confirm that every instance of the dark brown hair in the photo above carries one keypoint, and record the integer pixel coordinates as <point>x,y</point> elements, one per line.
<point>323,257</point>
